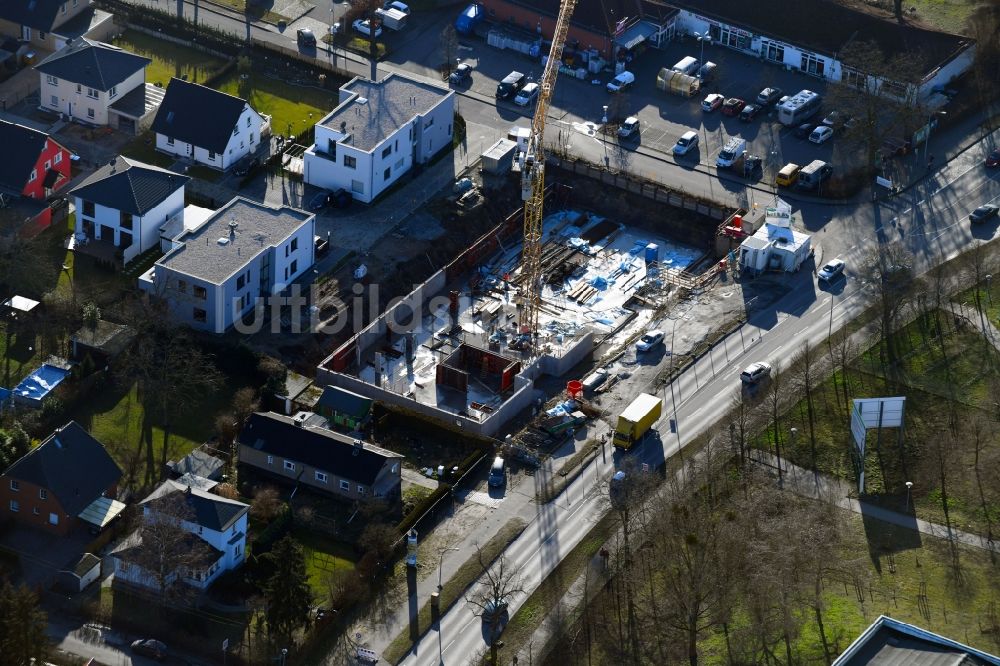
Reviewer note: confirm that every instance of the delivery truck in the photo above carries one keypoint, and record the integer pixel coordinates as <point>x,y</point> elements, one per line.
<point>636,420</point>
<point>392,18</point>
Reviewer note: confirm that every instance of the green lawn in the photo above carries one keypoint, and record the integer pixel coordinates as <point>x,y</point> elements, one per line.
<point>910,577</point>
<point>143,149</point>
<point>905,576</point>
<point>323,556</point>
<point>169,59</point>
<point>117,418</point>
<point>947,15</point>
<point>293,108</point>
<point>927,385</point>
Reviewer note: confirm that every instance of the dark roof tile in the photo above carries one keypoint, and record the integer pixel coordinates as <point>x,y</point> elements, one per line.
<point>198,115</point>
<point>92,64</point>
<point>317,447</point>
<point>71,465</point>
<point>210,511</point>
<point>129,186</point>
<point>22,146</point>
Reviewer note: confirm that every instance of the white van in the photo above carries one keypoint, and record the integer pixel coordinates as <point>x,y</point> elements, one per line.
<point>731,152</point>
<point>498,473</point>
<point>687,66</point>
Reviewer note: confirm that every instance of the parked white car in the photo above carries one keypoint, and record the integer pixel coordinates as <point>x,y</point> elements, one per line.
<point>686,143</point>
<point>621,82</point>
<point>821,134</point>
<point>364,27</point>
<point>832,269</point>
<point>628,128</point>
<point>398,6</point>
<point>649,340</point>
<point>755,372</point>
<point>528,95</point>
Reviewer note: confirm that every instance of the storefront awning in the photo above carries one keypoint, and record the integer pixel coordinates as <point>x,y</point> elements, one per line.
<point>101,511</point>
<point>635,35</point>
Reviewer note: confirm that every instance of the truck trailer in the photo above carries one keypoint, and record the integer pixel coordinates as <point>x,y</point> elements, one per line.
<point>637,419</point>
<point>678,83</point>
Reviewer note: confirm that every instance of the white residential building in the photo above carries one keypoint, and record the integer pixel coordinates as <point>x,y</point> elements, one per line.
<point>97,84</point>
<point>219,523</point>
<point>207,126</point>
<point>121,207</point>
<point>245,251</point>
<point>378,132</point>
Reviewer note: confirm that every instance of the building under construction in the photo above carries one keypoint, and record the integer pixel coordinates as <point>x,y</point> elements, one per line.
<point>453,349</point>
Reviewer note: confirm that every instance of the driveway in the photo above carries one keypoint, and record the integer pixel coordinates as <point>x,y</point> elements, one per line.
<point>42,554</point>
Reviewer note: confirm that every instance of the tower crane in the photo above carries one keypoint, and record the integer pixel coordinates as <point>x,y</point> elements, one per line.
<point>533,180</point>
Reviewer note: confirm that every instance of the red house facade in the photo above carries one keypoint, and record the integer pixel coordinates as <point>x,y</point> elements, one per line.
<point>67,481</point>
<point>35,165</point>
<point>594,24</point>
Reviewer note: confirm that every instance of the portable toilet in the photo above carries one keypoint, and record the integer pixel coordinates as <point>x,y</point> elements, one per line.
<point>652,253</point>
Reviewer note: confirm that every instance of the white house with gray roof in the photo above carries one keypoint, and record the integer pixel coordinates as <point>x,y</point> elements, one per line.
<point>121,207</point>
<point>98,84</point>
<point>217,527</point>
<point>378,131</point>
<point>215,273</point>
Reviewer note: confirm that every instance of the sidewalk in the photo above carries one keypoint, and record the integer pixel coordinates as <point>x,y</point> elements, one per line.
<point>796,479</point>
<point>835,491</point>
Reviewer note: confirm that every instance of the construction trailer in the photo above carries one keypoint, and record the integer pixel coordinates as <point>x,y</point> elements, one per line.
<point>677,83</point>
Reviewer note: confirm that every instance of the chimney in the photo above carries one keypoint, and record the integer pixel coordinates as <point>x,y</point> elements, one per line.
<point>188,491</point>
<point>358,447</point>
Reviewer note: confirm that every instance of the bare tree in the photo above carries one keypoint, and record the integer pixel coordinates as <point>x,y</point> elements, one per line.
<point>978,265</point>
<point>775,395</point>
<point>877,93</point>
<point>171,372</point>
<point>888,268</point>
<point>498,585</point>
<point>804,380</point>
<point>984,27</point>
<point>365,9</point>
<point>981,432</point>
<point>165,551</point>
<point>449,50</point>
<point>266,503</point>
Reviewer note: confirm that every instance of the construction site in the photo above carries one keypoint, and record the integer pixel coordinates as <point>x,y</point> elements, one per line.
<point>452,350</point>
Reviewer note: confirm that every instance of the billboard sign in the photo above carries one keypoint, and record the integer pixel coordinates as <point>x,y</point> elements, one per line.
<point>870,413</point>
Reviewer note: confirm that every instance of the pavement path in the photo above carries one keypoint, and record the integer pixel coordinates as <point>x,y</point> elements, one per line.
<point>796,479</point>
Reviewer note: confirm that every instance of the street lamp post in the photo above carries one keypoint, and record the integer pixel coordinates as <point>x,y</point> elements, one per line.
<point>702,37</point>
<point>440,564</point>
<point>284,654</point>
<point>604,128</point>
<point>909,486</point>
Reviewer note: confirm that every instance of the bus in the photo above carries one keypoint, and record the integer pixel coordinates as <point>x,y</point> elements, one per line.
<point>799,107</point>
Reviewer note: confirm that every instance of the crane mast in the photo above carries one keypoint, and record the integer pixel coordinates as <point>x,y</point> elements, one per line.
<point>533,180</point>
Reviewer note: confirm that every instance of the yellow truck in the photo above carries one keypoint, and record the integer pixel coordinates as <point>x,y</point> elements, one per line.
<point>636,420</point>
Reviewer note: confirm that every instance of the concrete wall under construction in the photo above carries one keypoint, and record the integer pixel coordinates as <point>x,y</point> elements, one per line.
<point>490,423</point>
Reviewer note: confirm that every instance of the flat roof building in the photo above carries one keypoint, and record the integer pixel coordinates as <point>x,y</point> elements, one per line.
<point>377,132</point>
<point>215,274</point>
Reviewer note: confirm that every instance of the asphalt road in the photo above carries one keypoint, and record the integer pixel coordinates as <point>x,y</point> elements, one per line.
<point>929,220</point>
<point>935,214</point>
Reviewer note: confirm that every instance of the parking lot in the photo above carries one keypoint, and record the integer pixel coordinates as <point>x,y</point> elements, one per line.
<point>663,117</point>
